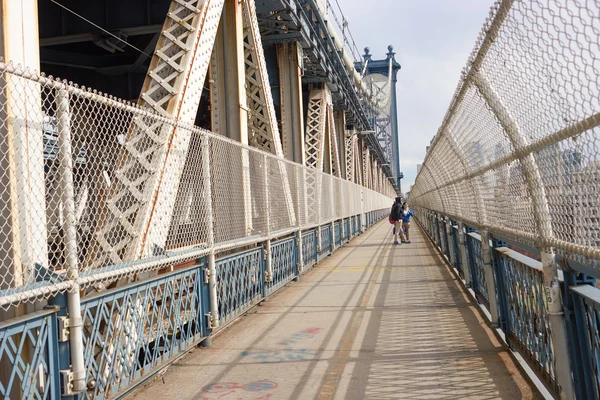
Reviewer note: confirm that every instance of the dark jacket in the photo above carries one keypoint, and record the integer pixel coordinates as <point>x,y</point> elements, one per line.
<point>395,213</point>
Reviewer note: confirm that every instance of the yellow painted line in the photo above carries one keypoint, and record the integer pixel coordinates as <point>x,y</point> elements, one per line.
<point>339,360</point>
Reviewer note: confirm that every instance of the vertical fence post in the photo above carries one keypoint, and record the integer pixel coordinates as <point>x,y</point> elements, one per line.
<point>499,264</point>
<point>267,244</point>
<point>299,256</point>
<point>70,230</point>
<point>486,253</point>
<point>463,254</point>
<point>213,322</point>
<point>447,235</point>
<point>557,323</point>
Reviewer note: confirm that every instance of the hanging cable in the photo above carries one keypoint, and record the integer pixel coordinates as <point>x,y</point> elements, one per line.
<point>101,28</point>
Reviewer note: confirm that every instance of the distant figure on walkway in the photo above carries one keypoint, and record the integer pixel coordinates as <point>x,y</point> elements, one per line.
<point>405,215</point>
<point>395,215</point>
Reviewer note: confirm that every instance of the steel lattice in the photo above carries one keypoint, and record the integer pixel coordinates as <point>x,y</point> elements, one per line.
<point>283,255</point>
<point>29,345</point>
<point>309,249</point>
<point>240,283</point>
<point>133,331</point>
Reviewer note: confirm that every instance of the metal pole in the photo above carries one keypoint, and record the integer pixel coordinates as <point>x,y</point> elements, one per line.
<point>486,252</point>
<point>268,256</point>
<point>557,323</point>
<point>463,254</point>
<point>210,236</point>
<point>70,242</point>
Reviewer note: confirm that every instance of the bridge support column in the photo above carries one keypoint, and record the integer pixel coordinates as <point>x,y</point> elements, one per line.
<point>21,139</point>
<point>292,113</point>
<point>486,253</point>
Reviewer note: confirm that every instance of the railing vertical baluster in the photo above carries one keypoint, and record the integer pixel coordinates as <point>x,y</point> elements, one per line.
<point>210,237</point>
<point>486,253</point>
<point>68,202</point>
<point>463,254</point>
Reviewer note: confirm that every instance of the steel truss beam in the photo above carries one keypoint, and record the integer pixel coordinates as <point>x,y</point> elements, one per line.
<point>154,153</point>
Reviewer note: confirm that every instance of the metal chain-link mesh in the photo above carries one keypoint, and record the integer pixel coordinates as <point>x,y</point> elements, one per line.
<point>74,158</point>
<point>518,151</point>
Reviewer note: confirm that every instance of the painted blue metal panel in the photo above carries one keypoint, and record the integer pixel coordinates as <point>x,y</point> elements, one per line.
<point>240,283</point>
<point>309,248</point>
<point>346,230</point>
<point>528,316</point>
<point>283,260</point>
<point>325,249</point>
<point>456,244</point>
<point>132,331</point>
<point>480,282</point>
<point>337,234</point>
<point>30,344</point>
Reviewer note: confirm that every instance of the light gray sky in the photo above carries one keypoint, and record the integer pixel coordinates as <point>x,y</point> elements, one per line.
<point>432,40</point>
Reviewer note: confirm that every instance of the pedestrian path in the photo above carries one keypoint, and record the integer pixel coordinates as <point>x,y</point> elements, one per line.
<point>373,321</point>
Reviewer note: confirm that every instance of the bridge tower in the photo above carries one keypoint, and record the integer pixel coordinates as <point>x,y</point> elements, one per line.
<point>381,77</point>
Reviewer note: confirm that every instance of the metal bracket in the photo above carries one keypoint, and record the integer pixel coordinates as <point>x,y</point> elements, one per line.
<point>64,323</point>
<point>66,377</point>
<point>206,275</point>
<point>209,323</point>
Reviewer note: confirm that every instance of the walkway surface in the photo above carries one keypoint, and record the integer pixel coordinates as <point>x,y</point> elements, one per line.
<point>374,321</point>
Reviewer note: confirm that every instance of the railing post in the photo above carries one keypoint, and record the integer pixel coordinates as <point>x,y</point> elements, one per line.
<point>486,253</point>
<point>499,268</point>
<point>267,245</point>
<point>463,254</point>
<point>268,261</point>
<point>210,237</point>
<point>557,323</point>
<point>63,115</point>
<point>299,253</point>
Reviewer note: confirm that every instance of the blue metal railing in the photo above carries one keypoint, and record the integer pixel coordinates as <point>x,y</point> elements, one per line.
<point>519,292</point>
<point>30,345</point>
<point>283,261</point>
<point>337,234</point>
<point>346,230</point>
<point>131,331</point>
<point>325,232</point>
<point>309,249</point>
<point>479,283</point>
<point>588,298</point>
<point>456,250</point>
<point>527,320</point>
<point>240,280</point>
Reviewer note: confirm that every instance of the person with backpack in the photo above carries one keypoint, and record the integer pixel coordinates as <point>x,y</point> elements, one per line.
<point>396,219</point>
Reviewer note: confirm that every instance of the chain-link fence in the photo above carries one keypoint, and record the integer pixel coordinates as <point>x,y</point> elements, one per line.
<point>518,151</point>
<point>94,193</point>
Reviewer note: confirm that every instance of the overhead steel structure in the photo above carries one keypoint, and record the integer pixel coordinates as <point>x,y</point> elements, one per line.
<point>380,77</point>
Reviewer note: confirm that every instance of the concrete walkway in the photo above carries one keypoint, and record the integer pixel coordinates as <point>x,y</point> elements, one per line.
<point>374,321</point>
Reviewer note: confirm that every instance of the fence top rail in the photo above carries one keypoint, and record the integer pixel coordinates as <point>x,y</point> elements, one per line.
<point>19,323</point>
<point>590,294</point>
<point>521,258</point>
